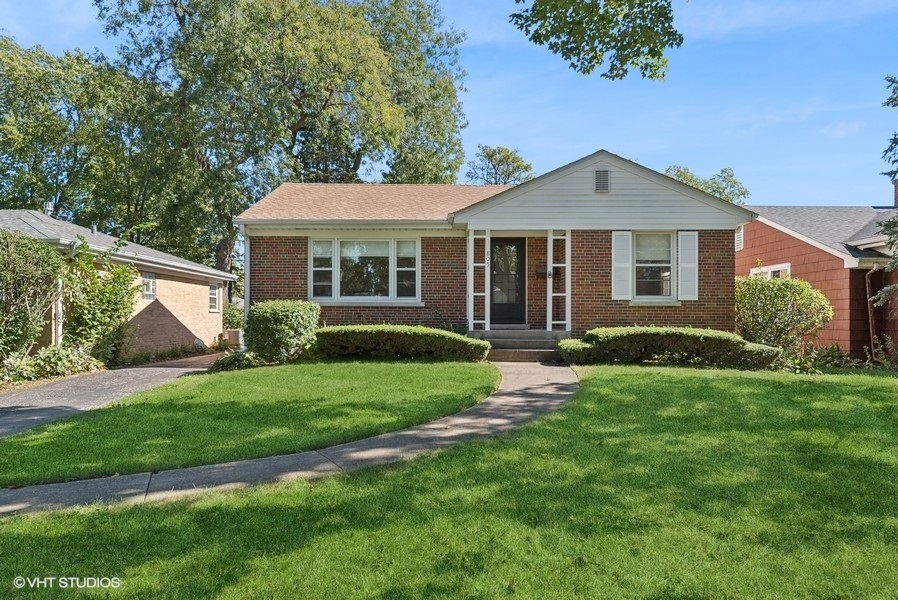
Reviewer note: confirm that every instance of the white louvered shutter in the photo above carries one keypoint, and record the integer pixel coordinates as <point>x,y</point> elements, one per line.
<point>687,265</point>
<point>621,264</point>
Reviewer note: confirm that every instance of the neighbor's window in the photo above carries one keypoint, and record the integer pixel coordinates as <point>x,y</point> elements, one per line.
<point>780,271</point>
<point>213,297</point>
<point>148,290</point>
<point>366,269</point>
<point>653,254</point>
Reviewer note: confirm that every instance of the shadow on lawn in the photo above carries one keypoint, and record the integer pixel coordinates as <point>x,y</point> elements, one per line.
<point>787,468</point>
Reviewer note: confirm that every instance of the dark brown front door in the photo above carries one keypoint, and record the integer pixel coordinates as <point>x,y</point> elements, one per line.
<point>508,281</point>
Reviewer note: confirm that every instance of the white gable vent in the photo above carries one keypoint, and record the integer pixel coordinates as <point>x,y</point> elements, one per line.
<point>602,181</point>
<point>740,238</point>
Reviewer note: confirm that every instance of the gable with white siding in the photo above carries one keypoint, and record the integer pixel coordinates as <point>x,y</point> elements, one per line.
<point>574,197</point>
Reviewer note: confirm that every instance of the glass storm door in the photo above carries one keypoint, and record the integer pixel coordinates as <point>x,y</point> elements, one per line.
<point>508,280</point>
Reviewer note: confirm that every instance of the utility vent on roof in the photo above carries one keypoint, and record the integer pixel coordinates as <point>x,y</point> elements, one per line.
<point>601,181</point>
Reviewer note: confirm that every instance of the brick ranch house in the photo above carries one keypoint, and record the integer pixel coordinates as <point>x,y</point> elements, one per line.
<point>601,241</point>
<point>839,250</point>
<point>179,304</point>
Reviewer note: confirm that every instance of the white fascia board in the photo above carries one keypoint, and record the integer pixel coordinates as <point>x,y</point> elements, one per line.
<point>152,262</point>
<point>345,224</point>
<point>850,261</point>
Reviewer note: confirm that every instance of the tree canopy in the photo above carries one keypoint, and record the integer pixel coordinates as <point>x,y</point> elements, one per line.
<point>627,33</point>
<point>724,185</point>
<point>208,104</point>
<point>498,166</point>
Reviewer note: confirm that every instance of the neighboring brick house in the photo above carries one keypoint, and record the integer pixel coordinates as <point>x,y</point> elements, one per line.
<point>839,250</point>
<point>180,302</point>
<point>601,241</point>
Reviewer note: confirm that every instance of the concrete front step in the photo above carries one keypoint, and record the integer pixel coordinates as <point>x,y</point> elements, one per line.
<point>506,355</point>
<point>518,334</point>
<point>517,344</point>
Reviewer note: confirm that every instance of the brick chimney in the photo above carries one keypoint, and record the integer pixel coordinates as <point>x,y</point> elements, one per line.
<point>895,184</point>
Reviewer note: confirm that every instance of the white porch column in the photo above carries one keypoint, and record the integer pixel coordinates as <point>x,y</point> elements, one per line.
<point>487,272</point>
<point>470,282</point>
<point>550,270</point>
<point>568,280</point>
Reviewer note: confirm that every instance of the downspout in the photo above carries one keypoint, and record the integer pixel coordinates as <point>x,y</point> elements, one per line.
<point>870,308</point>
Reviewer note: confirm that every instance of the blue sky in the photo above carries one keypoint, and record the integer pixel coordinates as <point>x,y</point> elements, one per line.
<point>788,93</point>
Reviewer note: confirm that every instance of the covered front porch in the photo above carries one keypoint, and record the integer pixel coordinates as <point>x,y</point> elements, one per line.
<point>518,280</point>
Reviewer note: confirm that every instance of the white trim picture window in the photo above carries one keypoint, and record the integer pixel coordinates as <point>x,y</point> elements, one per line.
<point>148,285</point>
<point>213,297</point>
<point>654,266</point>
<point>780,271</point>
<point>365,270</point>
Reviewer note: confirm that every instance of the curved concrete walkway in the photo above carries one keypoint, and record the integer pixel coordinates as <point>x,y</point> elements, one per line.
<point>527,391</point>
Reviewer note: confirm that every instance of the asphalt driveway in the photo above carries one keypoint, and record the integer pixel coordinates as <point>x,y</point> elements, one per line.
<point>45,402</point>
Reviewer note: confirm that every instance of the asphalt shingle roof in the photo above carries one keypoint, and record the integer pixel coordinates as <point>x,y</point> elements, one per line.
<point>366,202</point>
<point>832,226</point>
<point>43,227</point>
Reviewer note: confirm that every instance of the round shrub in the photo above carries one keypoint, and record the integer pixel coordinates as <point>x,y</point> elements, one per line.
<point>779,312</point>
<point>398,341</point>
<point>670,345</point>
<point>278,331</point>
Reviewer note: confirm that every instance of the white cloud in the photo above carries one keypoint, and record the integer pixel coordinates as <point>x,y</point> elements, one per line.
<point>842,129</point>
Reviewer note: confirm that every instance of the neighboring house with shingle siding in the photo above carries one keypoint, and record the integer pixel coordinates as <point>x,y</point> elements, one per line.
<point>839,250</point>
<point>180,302</point>
<point>601,241</point>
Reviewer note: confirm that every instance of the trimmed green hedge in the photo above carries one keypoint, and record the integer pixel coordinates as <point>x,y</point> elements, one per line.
<point>673,345</point>
<point>278,331</point>
<point>398,341</point>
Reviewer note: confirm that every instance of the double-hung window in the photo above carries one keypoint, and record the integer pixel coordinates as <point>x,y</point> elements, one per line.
<point>653,254</point>
<point>213,297</point>
<point>148,285</point>
<point>379,270</point>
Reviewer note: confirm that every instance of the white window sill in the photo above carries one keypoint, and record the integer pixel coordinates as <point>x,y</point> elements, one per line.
<point>369,303</point>
<point>655,303</point>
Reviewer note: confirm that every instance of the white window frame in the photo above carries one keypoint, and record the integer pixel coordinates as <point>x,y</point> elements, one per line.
<point>767,271</point>
<point>391,298</point>
<point>214,297</point>
<point>148,285</point>
<point>671,236</point>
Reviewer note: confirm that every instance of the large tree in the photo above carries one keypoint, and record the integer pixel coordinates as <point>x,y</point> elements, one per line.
<point>724,185</point>
<point>255,91</point>
<point>498,166</point>
<point>586,33</point>
<point>890,227</point>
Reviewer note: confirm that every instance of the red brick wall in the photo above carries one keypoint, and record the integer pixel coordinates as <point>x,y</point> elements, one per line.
<point>279,269</point>
<point>592,305</point>
<point>822,270</point>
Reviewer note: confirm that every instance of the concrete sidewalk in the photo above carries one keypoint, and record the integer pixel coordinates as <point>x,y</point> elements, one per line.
<point>38,404</point>
<point>527,391</point>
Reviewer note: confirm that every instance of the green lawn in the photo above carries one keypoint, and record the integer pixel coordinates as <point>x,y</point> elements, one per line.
<point>212,418</point>
<point>651,483</point>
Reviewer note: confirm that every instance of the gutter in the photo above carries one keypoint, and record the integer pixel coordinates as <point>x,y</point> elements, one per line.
<point>129,256</point>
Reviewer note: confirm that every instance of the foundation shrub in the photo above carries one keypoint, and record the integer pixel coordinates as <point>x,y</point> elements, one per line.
<point>398,341</point>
